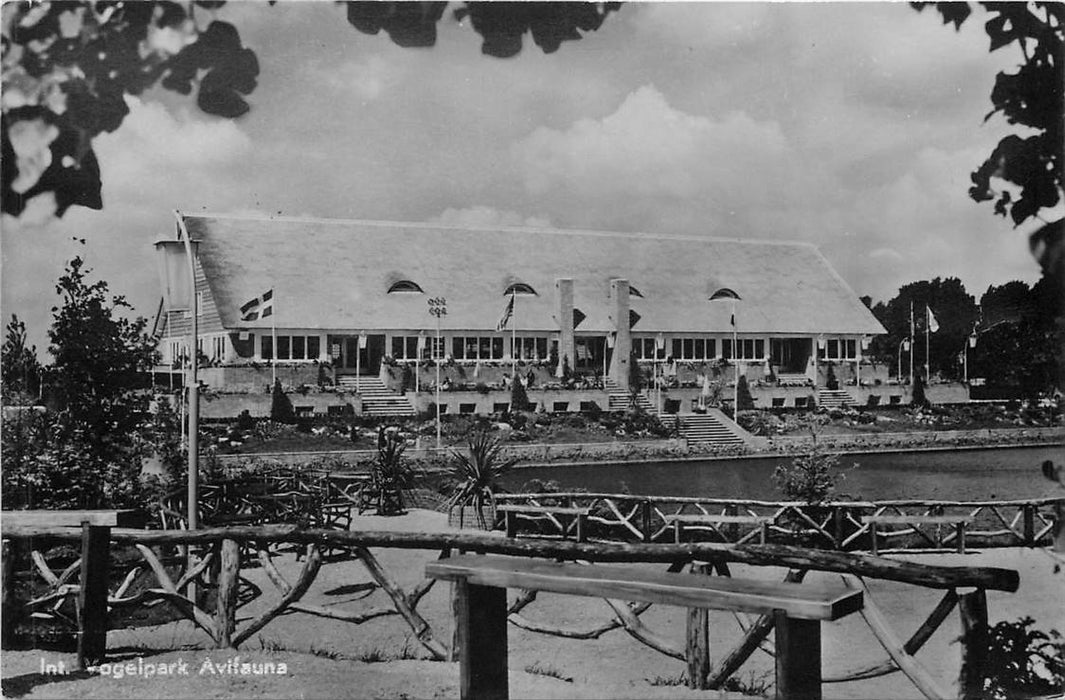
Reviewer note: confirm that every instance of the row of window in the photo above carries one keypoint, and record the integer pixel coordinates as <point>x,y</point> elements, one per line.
<point>837,349</point>
<point>291,347</point>
<point>518,288</point>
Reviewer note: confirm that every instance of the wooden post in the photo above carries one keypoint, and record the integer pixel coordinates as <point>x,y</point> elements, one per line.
<point>798,658</point>
<point>482,641</point>
<point>511,523</point>
<point>228,584</point>
<point>581,527</point>
<point>733,529</point>
<point>872,537</point>
<point>92,597</point>
<point>676,530</point>
<point>8,606</point>
<point>1029,525</point>
<point>837,525</point>
<point>972,608</point>
<point>697,646</point>
<point>960,527</point>
<point>645,525</point>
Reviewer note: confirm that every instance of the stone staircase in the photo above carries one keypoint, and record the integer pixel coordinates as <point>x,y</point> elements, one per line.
<point>707,429</point>
<point>620,400</point>
<point>834,398</point>
<point>377,399</point>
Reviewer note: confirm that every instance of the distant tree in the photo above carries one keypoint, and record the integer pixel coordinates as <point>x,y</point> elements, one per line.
<point>281,410</point>
<point>86,452</point>
<point>954,309</point>
<point>21,371</point>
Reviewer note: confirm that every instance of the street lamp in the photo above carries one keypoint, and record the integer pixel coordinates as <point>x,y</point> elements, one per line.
<point>178,283</point>
<point>438,308</point>
<point>904,344</point>
<point>726,293</point>
<point>660,344</point>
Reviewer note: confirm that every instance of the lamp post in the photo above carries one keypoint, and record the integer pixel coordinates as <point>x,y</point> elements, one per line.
<point>438,308</point>
<point>660,344</point>
<point>726,293</point>
<point>178,283</point>
<point>904,344</point>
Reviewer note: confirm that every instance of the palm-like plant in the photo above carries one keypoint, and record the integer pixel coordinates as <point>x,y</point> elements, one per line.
<point>391,475</point>
<point>476,473</point>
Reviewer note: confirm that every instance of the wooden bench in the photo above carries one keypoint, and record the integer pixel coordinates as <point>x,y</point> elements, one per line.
<point>958,521</point>
<point>481,610</point>
<point>511,511</point>
<point>679,521</point>
<point>95,568</point>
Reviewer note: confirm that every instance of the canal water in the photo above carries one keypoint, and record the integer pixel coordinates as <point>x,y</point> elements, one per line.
<point>962,475</point>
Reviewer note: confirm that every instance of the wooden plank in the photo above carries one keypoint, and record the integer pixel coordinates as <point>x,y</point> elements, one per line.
<point>71,518</point>
<point>482,641</point>
<point>92,596</point>
<point>825,601</point>
<point>697,647</point>
<point>798,658</point>
<point>918,519</point>
<point>718,519</point>
<point>228,584</point>
<point>927,575</point>
<point>534,510</point>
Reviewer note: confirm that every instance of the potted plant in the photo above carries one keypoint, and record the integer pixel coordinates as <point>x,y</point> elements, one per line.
<point>476,473</point>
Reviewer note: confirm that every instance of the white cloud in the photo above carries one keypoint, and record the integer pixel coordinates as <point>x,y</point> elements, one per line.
<point>704,24</point>
<point>647,148</point>
<point>483,216</point>
<point>886,254</point>
<point>153,138</point>
<point>367,79</point>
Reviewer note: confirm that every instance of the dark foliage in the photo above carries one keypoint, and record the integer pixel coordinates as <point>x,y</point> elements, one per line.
<point>743,395</point>
<point>1022,662</point>
<point>918,398</point>
<point>519,399</point>
<point>281,410</point>
<point>21,371</point>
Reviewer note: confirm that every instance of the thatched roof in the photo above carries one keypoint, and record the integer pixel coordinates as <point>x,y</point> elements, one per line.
<point>334,274</point>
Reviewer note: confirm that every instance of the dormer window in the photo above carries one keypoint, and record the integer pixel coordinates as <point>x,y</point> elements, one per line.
<point>405,286</point>
<point>520,289</point>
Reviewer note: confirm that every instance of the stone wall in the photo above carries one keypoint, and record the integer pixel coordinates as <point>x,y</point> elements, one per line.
<point>252,379</point>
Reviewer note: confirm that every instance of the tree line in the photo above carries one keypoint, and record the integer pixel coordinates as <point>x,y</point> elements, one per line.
<point>1007,338</point>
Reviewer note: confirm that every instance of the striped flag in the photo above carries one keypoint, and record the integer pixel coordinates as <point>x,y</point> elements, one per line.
<point>259,307</point>
<point>507,313</point>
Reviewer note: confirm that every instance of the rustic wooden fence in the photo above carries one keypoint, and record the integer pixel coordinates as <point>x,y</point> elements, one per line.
<point>843,526</point>
<point>219,564</point>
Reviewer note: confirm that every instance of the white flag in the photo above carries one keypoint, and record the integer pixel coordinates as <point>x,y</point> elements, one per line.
<point>933,324</point>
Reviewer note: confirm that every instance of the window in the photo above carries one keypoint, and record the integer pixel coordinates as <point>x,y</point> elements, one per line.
<point>405,347</point>
<point>405,286</point>
<point>694,348</point>
<point>749,349</point>
<point>291,347</point>
<point>520,289</point>
<point>838,349</point>
<point>199,303</point>
<point>529,349</point>
<point>474,347</point>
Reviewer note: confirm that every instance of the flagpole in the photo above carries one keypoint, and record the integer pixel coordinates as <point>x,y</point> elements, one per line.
<point>736,369</point>
<point>912,342</point>
<point>273,335</point>
<point>927,367</point>
<point>514,335</point>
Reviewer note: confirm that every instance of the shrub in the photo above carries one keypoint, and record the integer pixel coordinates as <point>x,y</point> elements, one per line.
<point>245,422</point>
<point>519,400</point>
<point>918,398</point>
<point>476,473</point>
<point>1023,662</point>
<point>281,407</point>
<point>743,396</point>
<point>809,478</point>
<point>481,388</point>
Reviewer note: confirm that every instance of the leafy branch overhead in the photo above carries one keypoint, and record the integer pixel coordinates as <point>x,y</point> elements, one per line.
<point>69,66</point>
<point>1030,97</point>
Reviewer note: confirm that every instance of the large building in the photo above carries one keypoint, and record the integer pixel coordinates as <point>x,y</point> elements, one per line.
<point>361,298</point>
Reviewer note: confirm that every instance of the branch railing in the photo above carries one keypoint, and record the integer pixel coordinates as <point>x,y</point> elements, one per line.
<point>841,525</point>
<point>219,566</point>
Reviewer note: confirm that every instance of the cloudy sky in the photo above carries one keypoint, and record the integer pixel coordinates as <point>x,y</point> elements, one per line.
<point>853,126</point>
